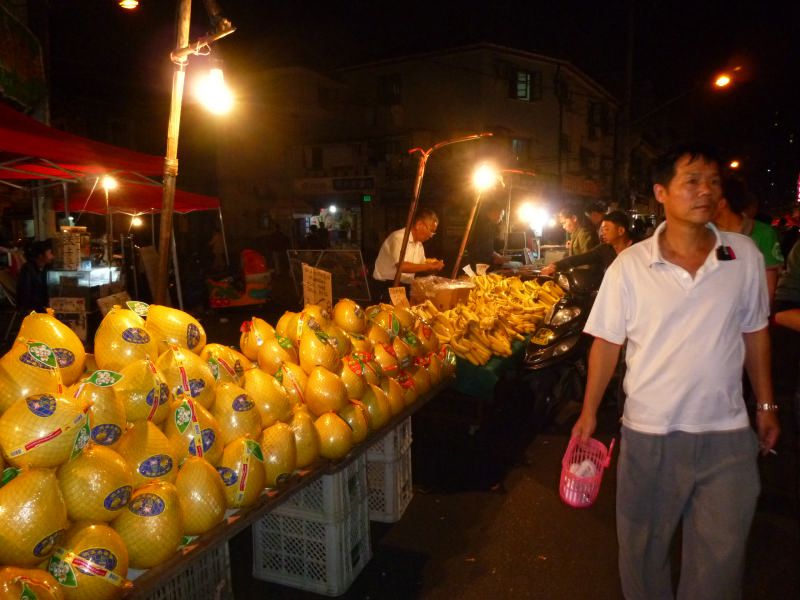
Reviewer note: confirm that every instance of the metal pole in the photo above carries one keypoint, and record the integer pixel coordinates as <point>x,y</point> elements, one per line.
<point>508,215</point>
<point>465,237</point>
<point>171,158</point>
<point>411,210</point>
<point>178,288</point>
<point>224,239</point>
<point>66,201</point>
<point>109,246</point>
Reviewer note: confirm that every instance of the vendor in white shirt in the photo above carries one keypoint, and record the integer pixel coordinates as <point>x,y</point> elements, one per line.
<point>423,228</point>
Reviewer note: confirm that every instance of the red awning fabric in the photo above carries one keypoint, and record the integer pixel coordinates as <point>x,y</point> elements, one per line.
<point>33,150</point>
<point>134,199</point>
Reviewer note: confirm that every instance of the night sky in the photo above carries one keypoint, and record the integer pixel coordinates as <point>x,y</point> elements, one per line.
<point>100,53</point>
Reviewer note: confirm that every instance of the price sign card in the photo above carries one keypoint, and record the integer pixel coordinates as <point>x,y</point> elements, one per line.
<point>398,296</point>
<point>317,287</point>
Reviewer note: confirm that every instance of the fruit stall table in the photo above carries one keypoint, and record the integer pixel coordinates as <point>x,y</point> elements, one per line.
<point>202,566</point>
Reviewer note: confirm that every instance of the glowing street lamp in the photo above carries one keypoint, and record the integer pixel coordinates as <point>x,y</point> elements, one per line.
<point>734,164</point>
<point>484,178</point>
<point>128,4</point>
<point>213,93</point>
<point>723,80</point>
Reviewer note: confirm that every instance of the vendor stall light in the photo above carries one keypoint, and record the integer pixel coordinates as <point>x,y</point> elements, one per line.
<point>109,183</point>
<point>484,178</point>
<point>734,164</point>
<point>525,212</point>
<point>538,219</point>
<point>723,80</point>
<point>136,222</point>
<point>212,92</point>
<point>128,4</point>
<point>332,209</point>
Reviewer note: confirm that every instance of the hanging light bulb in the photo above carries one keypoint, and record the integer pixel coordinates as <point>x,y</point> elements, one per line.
<point>128,4</point>
<point>109,183</point>
<point>212,92</point>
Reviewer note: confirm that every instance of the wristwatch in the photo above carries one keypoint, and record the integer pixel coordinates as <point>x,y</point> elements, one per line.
<point>766,407</point>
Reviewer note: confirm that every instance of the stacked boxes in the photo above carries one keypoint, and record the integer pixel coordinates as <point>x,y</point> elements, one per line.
<point>318,539</point>
<point>389,475</point>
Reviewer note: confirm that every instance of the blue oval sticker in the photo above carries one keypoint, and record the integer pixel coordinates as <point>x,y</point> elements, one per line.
<point>118,498</point>
<point>106,434</point>
<point>242,403</point>
<point>146,505</point>
<point>136,335</point>
<point>156,465</point>
<point>101,557</point>
<point>229,476</point>
<point>43,405</point>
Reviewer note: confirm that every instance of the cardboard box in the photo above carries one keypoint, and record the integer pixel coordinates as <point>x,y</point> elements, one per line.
<point>446,297</point>
<point>68,305</point>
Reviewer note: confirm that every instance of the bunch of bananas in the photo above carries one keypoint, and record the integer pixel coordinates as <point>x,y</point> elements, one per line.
<point>499,310</point>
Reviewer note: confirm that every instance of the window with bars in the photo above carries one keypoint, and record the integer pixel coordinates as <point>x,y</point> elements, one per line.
<point>525,85</point>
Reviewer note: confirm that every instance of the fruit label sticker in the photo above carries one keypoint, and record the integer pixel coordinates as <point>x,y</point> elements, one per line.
<point>27,593</point>
<point>118,498</point>
<point>140,308</point>
<point>213,363</point>
<point>156,465</point>
<point>255,449</point>
<point>146,505</point>
<point>45,546</point>
<point>193,387</point>
<point>98,557</point>
<point>95,562</point>
<point>43,405</point>
<point>411,339</point>
<point>245,470</point>
<point>106,434</point>
<point>192,336</point>
<point>8,474</point>
<point>184,415</point>
<point>78,420</point>
<point>242,403</point>
<point>208,438</point>
<point>163,395</point>
<point>64,357</point>
<point>228,476</point>
<point>43,354</point>
<point>231,370</point>
<point>103,378</point>
<point>61,570</point>
<point>284,342</point>
<point>81,439</point>
<point>136,335</point>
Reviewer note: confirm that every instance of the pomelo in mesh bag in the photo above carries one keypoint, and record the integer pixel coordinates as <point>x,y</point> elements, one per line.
<point>435,369</point>
<point>383,317</point>
<point>96,484</point>
<point>355,415</point>
<point>280,453</point>
<point>225,363</point>
<point>254,333</point>
<point>427,337</point>
<point>90,364</point>
<point>287,326</point>
<point>236,413</point>
<point>386,357</point>
<point>201,494</point>
<point>294,380</point>
<point>352,375</point>
<point>306,438</point>
<point>338,339</point>
<point>335,436</point>
<point>271,399</point>
<point>403,352</point>
<point>242,472</point>
<point>275,351</point>
<point>144,392</point>
<point>43,430</point>
<point>33,517</point>
<point>394,394</point>
<point>44,327</point>
<point>193,431</point>
<point>151,525</point>
<point>149,454</point>
<point>91,563</point>
<point>409,387</point>
<point>21,375</point>
<point>376,407</point>
<point>350,316</point>
<point>15,583</point>
<point>317,349</point>
<point>107,417</point>
<point>186,373</point>
<point>360,343</point>
<point>172,326</point>
<point>324,392</point>
<point>121,339</point>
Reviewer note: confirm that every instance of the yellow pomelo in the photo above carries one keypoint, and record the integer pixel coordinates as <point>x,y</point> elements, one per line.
<point>385,319</point>
<point>306,439</point>
<point>271,399</point>
<point>355,416</point>
<point>338,339</point>
<point>405,316</point>
<point>275,351</point>
<point>236,413</point>
<point>360,343</point>
<point>242,472</point>
<point>144,392</point>
<point>14,581</point>
<point>254,333</point>
<point>90,550</point>
<point>44,327</point>
<point>201,495</point>
<point>193,431</point>
<point>122,339</point>
<point>350,316</point>
<point>409,388</point>
<point>280,453</point>
<point>324,392</point>
<point>427,337</point>
<point>90,365</point>
<point>376,408</point>
<point>377,335</point>
<point>403,352</point>
<point>394,394</point>
<point>33,517</point>
<point>335,436</point>
<point>386,357</point>
<point>168,325</point>
<point>151,525</point>
<point>352,376</point>
<point>312,316</point>
<point>96,484</point>
<point>182,368</point>
<point>422,381</point>
<point>21,376</point>
<point>434,369</point>
<point>43,430</point>
<point>294,380</point>
<point>149,454</point>
<point>107,416</point>
<point>287,326</point>
<point>315,350</point>
<point>415,347</point>
<point>225,363</point>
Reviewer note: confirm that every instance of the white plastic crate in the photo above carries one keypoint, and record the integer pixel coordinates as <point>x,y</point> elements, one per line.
<point>390,488</point>
<point>208,577</point>
<point>312,553</point>
<point>330,497</point>
<point>392,445</point>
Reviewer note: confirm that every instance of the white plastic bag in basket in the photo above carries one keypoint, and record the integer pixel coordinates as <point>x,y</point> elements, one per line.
<point>584,469</point>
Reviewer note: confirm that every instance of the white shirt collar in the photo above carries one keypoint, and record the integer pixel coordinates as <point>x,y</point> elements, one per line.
<point>655,249</point>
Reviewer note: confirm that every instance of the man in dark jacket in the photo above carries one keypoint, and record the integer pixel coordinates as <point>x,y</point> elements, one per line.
<point>582,236</point>
<point>32,294</point>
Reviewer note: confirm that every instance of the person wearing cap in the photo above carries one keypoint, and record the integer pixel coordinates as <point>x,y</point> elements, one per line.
<point>615,235</point>
<point>32,293</point>
<point>582,236</point>
<point>691,303</point>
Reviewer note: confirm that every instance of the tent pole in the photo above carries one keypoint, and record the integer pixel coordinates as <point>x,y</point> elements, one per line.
<point>224,239</point>
<point>177,272</point>
<point>153,229</point>
<point>66,201</point>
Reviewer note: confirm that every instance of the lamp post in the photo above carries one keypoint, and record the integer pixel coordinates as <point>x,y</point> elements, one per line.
<point>179,58</point>
<point>484,178</point>
<point>412,209</point>
<point>109,183</point>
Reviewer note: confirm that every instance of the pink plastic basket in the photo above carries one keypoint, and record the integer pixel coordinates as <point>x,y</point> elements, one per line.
<point>577,491</point>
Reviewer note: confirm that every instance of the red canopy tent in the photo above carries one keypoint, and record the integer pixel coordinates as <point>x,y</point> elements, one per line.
<point>134,198</point>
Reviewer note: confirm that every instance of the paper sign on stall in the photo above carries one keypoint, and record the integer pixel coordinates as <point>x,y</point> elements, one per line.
<point>398,296</point>
<point>317,287</point>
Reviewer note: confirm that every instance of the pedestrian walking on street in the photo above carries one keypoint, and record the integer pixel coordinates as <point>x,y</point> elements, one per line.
<point>692,303</point>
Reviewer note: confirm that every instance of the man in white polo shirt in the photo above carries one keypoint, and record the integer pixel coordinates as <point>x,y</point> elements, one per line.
<point>422,229</point>
<point>691,302</point>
